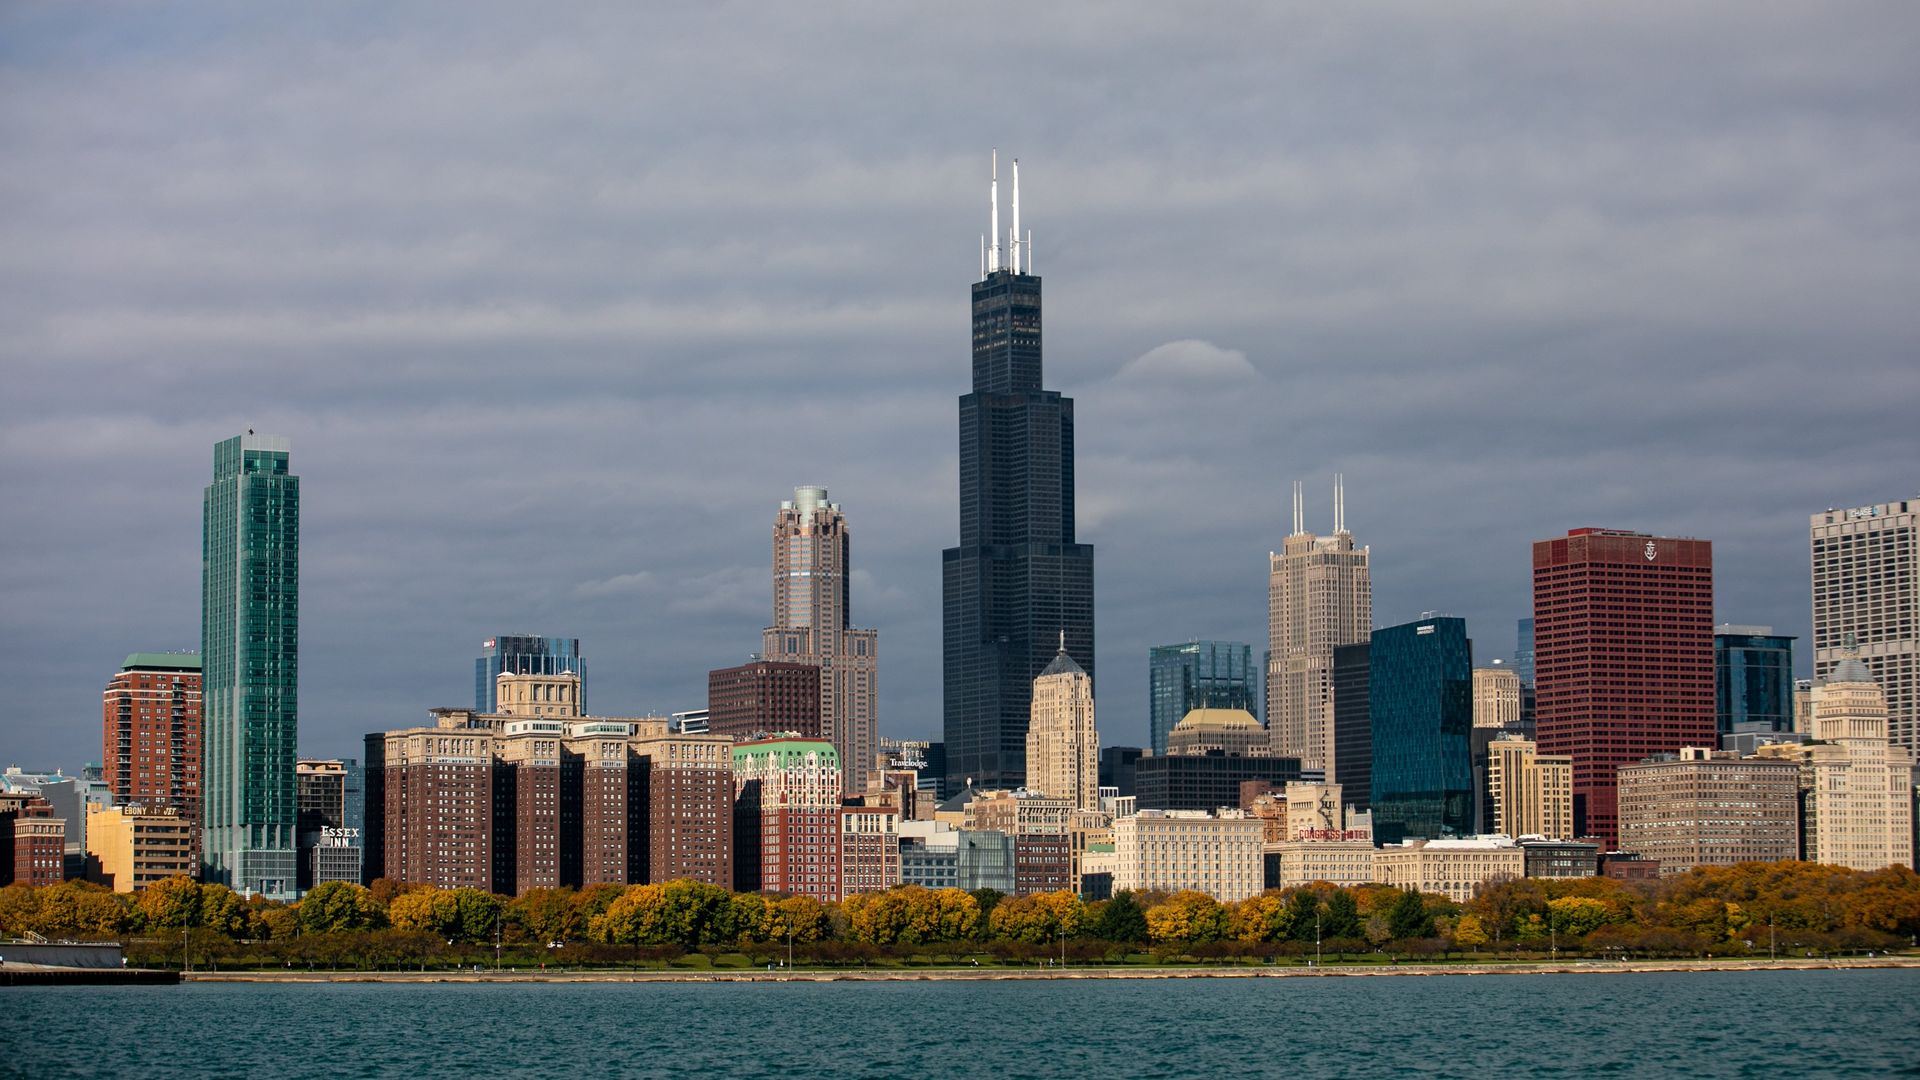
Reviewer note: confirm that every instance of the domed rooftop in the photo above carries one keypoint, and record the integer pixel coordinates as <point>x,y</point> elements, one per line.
<point>1218,720</point>
<point>1851,669</point>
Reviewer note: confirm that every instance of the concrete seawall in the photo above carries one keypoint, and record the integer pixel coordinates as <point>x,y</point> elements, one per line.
<point>1005,974</point>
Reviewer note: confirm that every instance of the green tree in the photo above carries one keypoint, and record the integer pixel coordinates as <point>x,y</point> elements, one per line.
<point>1408,917</point>
<point>336,906</point>
<point>1303,905</point>
<point>1122,921</point>
<point>1342,917</point>
<point>1578,915</point>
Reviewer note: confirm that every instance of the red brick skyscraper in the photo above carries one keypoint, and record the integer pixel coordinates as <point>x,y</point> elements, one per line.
<point>1623,655</point>
<point>150,731</point>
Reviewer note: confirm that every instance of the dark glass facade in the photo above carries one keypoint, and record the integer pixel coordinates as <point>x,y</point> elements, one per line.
<point>1018,580</point>
<point>1352,765</point>
<point>525,654</point>
<point>1523,653</point>
<point>1752,680</point>
<point>1118,765</point>
<point>1420,695</point>
<point>1204,781</point>
<point>1197,675</point>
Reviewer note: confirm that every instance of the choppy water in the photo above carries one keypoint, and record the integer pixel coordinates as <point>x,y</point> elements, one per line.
<point>1775,1023</point>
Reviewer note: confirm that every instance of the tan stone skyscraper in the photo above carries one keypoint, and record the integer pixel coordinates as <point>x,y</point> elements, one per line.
<point>1532,795</point>
<point>1496,697</point>
<point>1063,749</point>
<point>1319,595</point>
<point>1859,798</point>
<point>812,624</point>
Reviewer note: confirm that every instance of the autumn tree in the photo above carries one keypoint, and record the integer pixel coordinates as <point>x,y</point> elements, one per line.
<point>1187,918</point>
<point>1262,918</point>
<point>1038,918</point>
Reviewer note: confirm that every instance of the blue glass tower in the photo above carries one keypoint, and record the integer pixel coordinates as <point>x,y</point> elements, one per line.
<point>1197,675</point>
<point>1523,653</point>
<point>1018,588</point>
<point>1752,679</point>
<point>1420,697</point>
<point>524,654</point>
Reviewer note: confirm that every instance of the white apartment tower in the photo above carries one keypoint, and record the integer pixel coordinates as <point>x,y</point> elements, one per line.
<point>1866,593</point>
<point>1063,749</point>
<point>813,624</point>
<point>1319,596</point>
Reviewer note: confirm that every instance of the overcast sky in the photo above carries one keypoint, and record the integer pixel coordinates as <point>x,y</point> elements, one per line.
<point>557,302</point>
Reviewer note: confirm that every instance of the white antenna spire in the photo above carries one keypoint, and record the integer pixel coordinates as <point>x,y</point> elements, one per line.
<point>983,254</point>
<point>993,216</point>
<point>1015,244</point>
<point>1339,503</point>
<point>1299,511</point>
<point>1029,251</point>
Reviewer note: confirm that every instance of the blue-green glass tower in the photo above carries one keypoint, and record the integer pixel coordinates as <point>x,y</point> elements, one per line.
<point>1197,675</point>
<point>1752,679</point>
<point>1420,700</point>
<point>249,648</point>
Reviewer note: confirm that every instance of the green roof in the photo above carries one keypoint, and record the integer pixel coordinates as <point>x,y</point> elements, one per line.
<point>164,661</point>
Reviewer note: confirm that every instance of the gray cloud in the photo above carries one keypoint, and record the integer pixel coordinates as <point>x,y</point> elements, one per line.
<point>556,309</point>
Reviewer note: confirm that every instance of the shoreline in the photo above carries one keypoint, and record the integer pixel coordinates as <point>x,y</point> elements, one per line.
<point>1589,967</point>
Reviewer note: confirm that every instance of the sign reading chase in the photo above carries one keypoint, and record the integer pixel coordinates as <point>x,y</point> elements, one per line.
<point>332,837</point>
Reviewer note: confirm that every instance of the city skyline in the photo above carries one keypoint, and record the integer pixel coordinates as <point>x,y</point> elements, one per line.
<point>1572,325</point>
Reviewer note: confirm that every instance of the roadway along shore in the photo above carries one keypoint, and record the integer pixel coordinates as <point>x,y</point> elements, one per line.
<point>1589,967</point>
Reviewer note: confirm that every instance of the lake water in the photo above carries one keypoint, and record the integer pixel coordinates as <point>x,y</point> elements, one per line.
<point>1723,1024</point>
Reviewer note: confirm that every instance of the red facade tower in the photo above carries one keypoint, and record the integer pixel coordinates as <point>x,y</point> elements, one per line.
<point>1623,657</point>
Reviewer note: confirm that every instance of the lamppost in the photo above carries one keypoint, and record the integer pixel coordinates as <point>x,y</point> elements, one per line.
<point>1553,934</point>
<point>496,940</point>
<point>789,948</point>
<point>1316,938</point>
<point>1063,945</point>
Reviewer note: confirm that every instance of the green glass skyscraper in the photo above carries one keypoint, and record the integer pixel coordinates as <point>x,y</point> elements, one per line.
<point>249,647</point>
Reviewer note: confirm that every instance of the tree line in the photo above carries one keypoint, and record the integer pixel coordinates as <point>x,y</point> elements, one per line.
<point>1787,908</point>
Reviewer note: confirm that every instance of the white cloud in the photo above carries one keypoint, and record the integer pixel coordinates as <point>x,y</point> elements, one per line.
<point>1190,361</point>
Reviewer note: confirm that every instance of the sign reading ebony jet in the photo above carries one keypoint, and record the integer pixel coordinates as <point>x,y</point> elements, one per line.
<point>1018,582</point>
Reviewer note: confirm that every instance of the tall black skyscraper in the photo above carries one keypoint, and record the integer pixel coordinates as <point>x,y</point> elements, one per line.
<point>1018,581</point>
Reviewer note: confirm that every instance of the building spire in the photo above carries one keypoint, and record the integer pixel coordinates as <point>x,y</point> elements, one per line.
<point>1063,641</point>
<point>1339,504</point>
<point>993,215</point>
<point>1013,244</point>
<point>1299,511</point>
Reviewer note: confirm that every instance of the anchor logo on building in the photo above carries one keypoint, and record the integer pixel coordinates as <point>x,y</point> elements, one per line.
<point>1651,551</point>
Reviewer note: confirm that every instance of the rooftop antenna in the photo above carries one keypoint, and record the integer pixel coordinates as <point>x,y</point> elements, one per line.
<point>1299,511</point>
<point>1013,245</point>
<point>993,215</point>
<point>1063,639</point>
<point>1339,503</point>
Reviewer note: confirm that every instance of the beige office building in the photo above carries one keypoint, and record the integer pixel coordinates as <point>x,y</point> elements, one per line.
<point>137,845</point>
<point>1496,697</point>
<point>1454,869</point>
<point>813,624</point>
<point>1063,748</point>
<point>1319,595</point>
<point>1866,595</point>
<point>1858,785</point>
<point>1532,794</point>
<point>1710,808</point>
<point>1219,855</point>
<point>1337,862</point>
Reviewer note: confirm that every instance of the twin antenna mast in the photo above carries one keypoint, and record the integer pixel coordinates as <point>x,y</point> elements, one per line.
<point>1019,250</point>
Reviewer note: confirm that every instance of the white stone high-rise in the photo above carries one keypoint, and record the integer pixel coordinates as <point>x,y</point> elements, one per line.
<point>1319,596</point>
<point>1063,748</point>
<point>1866,593</point>
<point>813,624</point>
